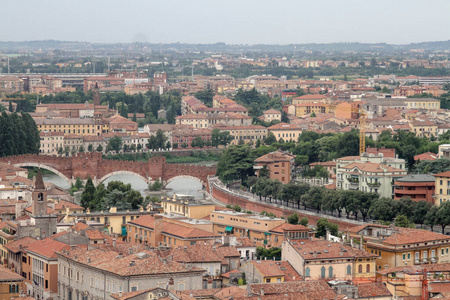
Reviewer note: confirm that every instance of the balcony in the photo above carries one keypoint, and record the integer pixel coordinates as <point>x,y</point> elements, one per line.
<point>353,180</point>
<point>374,184</point>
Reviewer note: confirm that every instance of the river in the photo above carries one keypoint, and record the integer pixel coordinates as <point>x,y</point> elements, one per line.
<point>184,186</point>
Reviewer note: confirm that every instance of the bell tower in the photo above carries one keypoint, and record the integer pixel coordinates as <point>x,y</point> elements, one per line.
<point>39,196</point>
<point>96,95</point>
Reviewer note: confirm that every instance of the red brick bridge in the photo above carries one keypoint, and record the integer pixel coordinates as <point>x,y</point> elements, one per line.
<point>91,164</point>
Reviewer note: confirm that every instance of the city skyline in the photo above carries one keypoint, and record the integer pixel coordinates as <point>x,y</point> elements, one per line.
<point>233,22</point>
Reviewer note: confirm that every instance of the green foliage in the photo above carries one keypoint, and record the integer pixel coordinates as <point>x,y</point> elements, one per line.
<point>403,221</point>
<point>257,102</point>
<point>293,219</point>
<point>236,163</point>
<point>115,143</point>
<point>270,139</point>
<point>157,141</point>
<point>304,221</point>
<point>155,186</point>
<point>88,194</point>
<point>18,134</point>
<point>263,253</point>
<point>206,96</point>
<point>316,172</point>
<point>323,225</point>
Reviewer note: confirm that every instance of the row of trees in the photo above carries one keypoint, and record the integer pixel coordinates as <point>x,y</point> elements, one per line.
<point>18,134</point>
<point>116,194</point>
<point>351,203</point>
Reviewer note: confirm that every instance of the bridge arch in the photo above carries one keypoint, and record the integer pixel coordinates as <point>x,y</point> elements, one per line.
<point>182,176</point>
<point>44,166</point>
<point>121,172</point>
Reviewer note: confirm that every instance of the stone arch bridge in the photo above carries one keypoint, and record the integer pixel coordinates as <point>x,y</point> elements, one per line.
<point>91,164</point>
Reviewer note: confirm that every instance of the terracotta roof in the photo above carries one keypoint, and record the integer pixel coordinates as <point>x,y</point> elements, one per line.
<point>173,229</point>
<point>142,263</point>
<point>46,248</point>
<point>373,289</point>
<point>227,274</point>
<point>321,249</point>
<point>79,226</point>
<point>8,275</point>
<point>301,289</point>
<point>50,210</point>
<point>444,174</point>
<point>62,205</point>
<point>287,227</point>
<point>410,236</point>
<point>244,242</point>
<point>285,126</point>
<point>372,167</point>
<point>271,111</point>
<point>311,97</point>
<point>275,157</point>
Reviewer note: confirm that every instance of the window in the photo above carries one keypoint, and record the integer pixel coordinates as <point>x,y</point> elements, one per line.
<point>349,270</point>
<point>307,272</point>
<point>134,288</point>
<point>367,268</point>
<point>322,272</point>
<point>417,255</point>
<point>267,280</point>
<point>360,269</point>
<point>404,256</point>
<point>409,256</point>
<point>330,272</point>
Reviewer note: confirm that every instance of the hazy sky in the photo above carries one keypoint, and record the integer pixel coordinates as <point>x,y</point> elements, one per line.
<point>230,21</point>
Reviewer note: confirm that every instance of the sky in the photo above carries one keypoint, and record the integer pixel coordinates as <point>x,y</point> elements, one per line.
<point>229,21</point>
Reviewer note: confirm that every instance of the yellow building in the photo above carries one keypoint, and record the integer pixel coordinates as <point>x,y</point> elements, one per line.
<point>84,126</point>
<point>318,259</point>
<point>442,188</point>
<point>5,238</point>
<point>306,109</point>
<point>424,128</point>
<point>398,246</point>
<point>194,120</point>
<point>115,222</point>
<point>11,284</point>
<point>422,103</point>
<point>269,271</point>
<point>187,206</point>
<point>286,131</point>
<point>248,134</point>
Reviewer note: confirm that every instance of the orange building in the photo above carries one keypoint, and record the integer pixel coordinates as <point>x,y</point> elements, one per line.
<point>347,110</point>
<point>417,186</point>
<point>280,165</point>
<point>11,284</point>
<point>40,265</point>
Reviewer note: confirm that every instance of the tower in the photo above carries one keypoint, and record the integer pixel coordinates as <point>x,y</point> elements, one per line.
<point>96,95</point>
<point>44,222</point>
<point>39,197</point>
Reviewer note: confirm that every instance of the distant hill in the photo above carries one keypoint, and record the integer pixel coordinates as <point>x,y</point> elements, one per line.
<point>341,47</point>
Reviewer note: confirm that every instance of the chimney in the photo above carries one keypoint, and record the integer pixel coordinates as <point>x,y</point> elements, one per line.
<point>262,292</point>
<point>315,254</point>
<point>120,294</point>
<point>132,263</point>
<point>114,243</point>
<point>341,253</point>
<point>89,260</point>
<point>130,250</point>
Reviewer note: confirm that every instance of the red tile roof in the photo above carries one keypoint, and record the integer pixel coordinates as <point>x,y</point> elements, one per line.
<point>46,248</point>
<point>289,227</point>
<point>373,289</point>
<point>8,275</point>
<point>62,205</point>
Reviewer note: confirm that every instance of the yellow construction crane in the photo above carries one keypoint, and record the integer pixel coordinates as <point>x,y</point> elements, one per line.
<point>362,131</point>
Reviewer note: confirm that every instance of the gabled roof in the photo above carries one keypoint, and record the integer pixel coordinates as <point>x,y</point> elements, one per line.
<point>46,248</point>
<point>20,244</point>
<point>372,289</point>
<point>289,227</point>
<point>9,276</point>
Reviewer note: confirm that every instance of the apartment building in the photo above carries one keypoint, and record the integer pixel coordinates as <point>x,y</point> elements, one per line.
<point>248,134</point>
<point>264,231</point>
<point>40,265</point>
<point>418,187</point>
<point>85,126</point>
<point>101,271</point>
<point>154,231</point>
<point>281,165</point>
<point>424,128</point>
<point>286,131</point>
<point>319,259</point>
<point>442,187</point>
<point>11,284</point>
<point>187,206</point>
<point>398,246</point>
<point>271,115</point>
<point>51,142</point>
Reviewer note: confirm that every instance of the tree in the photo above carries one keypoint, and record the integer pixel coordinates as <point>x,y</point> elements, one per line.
<point>264,172</point>
<point>99,195</point>
<point>293,219</point>
<point>301,160</point>
<point>88,194</point>
<point>81,149</point>
<point>315,198</point>
<point>99,148</point>
<point>382,209</point>
<point>236,163</point>
<point>78,183</point>
<point>304,221</point>
<point>402,221</point>
<point>115,143</point>
<point>197,142</point>
<point>90,148</point>
<point>431,217</point>
<point>284,117</point>
<point>323,225</point>
<point>206,96</point>
<point>421,209</point>
<point>443,215</point>
<point>270,139</point>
